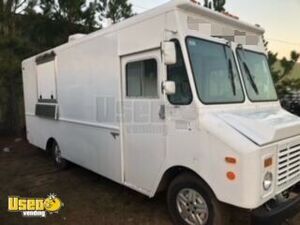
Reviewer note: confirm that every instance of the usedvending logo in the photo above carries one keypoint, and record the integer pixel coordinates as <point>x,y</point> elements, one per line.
<point>35,207</point>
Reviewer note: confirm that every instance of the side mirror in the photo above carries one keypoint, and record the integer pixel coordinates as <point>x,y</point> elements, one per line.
<point>169,52</point>
<point>169,87</point>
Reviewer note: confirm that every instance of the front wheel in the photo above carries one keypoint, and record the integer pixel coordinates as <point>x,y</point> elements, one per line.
<point>191,202</point>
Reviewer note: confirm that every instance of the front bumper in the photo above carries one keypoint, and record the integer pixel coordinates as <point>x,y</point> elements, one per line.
<point>276,215</point>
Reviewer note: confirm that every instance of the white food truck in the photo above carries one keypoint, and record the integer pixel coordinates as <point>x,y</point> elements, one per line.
<point>179,98</point>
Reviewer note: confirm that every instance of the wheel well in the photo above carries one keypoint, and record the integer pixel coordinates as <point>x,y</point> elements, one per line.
<point>49,144</point>
<point>171,174</point>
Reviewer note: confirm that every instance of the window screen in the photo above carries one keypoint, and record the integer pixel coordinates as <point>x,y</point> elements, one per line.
<point>178,74</point>
<point>141,79</point>
<point>46,81</point>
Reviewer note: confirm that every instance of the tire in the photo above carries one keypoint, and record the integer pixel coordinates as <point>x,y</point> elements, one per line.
<point>203,205</point>
<point>59,161</point>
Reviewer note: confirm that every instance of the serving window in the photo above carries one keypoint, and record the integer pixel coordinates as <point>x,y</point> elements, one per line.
<point>46,81</point>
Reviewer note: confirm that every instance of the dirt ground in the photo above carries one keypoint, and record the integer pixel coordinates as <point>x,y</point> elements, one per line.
<point>88,198</point>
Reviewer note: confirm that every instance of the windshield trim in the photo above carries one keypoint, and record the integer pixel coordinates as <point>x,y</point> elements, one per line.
<point>243,77</point>
<point>193,73</point>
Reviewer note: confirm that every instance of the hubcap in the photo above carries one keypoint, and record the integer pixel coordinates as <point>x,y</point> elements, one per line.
<point>57,154</point>
<point>192,207</point>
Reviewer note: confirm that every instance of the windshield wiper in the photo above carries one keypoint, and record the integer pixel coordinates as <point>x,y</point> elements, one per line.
<point>231,76</point>
<point>252,82</point>
<point>230,68</point>
<point>247,70</point>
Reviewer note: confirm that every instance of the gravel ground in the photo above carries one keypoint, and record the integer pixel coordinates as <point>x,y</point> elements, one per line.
<point>88,198</point>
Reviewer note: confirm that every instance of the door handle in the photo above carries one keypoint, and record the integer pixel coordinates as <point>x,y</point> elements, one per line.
<point>162,112</point>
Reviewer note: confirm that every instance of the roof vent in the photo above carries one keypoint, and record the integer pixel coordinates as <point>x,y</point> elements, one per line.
<point>75,37</point>
<point>108,23</point>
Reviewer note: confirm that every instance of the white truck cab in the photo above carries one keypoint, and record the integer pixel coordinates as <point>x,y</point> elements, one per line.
<point>179,98</point>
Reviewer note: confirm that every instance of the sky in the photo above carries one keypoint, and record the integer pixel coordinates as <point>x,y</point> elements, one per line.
<point>280,19</point>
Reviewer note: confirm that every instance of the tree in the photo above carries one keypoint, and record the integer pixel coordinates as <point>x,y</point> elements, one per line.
<point>67,10</point>
<point>13,48</point>
<point>280,69</point>
<point>207,4</point>
<point>8,11</point>
<point>90,14</point>
<point>217,5</point>
<point>118,10</point>
<point>72,13</point>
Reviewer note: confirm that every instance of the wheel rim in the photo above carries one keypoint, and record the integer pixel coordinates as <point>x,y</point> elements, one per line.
<point>192,207</point>
<point>57,154</point>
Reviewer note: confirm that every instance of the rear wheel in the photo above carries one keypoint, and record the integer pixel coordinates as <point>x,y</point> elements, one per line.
<point>60,162</point>
<point>191,202</point>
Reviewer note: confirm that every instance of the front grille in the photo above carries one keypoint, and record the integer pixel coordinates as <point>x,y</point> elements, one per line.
<point>288,166</point>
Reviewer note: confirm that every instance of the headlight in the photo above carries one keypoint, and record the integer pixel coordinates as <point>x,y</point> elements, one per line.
<point>268,181</point>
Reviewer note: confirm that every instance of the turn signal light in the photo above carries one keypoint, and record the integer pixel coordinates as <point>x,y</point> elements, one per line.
<point>231,160</point>
<point>268,162</point>
<point>231,176</point>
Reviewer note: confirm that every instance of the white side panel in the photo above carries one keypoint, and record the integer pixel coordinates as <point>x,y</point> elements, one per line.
<point>46,80</point>
<point>88,75</point>
<point>91,147</point>
<point>88,90</point>
<point>88,95</point>
<point>142,36</point>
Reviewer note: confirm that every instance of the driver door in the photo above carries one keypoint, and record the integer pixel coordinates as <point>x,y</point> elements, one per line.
<point>144,118</point>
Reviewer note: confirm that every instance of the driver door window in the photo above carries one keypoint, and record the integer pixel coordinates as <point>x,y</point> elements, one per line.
<point>141,79</point>
<point>178,74</point>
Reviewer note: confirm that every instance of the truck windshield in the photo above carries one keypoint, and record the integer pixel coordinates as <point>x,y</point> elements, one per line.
<point>215,72</point>
<point>257,76</point>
